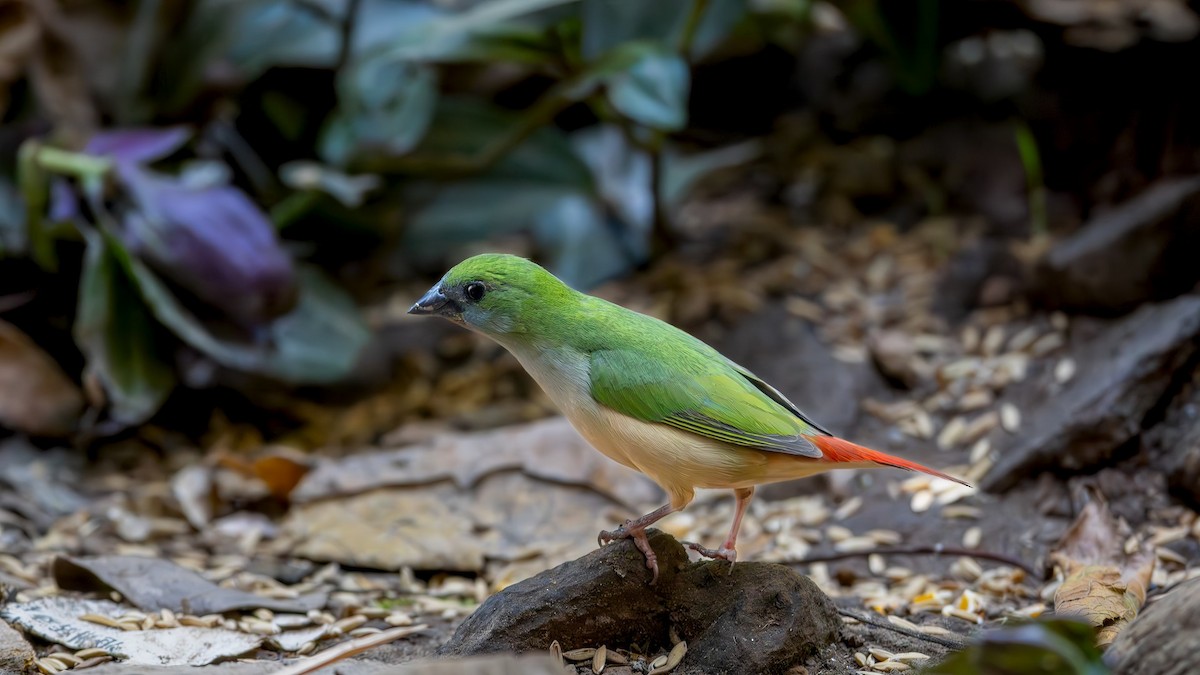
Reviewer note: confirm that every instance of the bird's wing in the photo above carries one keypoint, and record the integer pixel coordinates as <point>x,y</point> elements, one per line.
<point>712,398</point>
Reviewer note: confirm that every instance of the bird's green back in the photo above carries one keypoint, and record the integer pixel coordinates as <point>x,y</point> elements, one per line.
<point>637,365</point>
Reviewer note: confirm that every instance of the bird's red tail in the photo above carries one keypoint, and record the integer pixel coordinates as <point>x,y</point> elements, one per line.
<point>838,451</point>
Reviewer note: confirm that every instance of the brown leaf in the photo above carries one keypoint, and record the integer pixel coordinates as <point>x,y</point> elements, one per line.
<point>280,470</point>
<point>1103,584</point>
<point>36,397</point>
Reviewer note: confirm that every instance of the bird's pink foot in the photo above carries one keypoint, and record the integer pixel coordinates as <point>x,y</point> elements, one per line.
<point>638,535</point>
<point>724,553</point>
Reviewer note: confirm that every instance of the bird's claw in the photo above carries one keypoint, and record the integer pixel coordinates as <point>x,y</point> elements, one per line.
<point>723,553</point>
<point>638,535</point>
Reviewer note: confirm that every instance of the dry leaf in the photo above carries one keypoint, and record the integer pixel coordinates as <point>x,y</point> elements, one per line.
<point>36,397</point>
<point>281,470</point>
<point>1103,584</point>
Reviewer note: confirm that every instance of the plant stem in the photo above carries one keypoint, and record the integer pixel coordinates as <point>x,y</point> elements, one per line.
<point>346,47</point>
<point>689,29</point>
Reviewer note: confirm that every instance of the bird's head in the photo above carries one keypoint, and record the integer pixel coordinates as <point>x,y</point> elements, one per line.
<point>496,294</point>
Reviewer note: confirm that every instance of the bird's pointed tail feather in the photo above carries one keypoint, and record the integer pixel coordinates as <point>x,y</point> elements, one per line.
<point>840,451</point>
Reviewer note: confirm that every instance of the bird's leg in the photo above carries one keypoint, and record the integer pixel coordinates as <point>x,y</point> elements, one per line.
<point>728,550</point>
<point>636,530</point>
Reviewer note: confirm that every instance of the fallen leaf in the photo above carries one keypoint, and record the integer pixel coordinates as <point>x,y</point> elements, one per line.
<point>547,449</point>
<point>57,620</point>
<point>281,470</point>
<point>153,584</point>
<point>1102,584</point>
<point>36,397</point>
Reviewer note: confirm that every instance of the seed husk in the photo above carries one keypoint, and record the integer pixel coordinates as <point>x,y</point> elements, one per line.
<point>1064,370</point>
<point>1010,418</point>
<point>69,659</point>
<point>972,537</point>
<point>599,660</point>
<point>672,659</point>
<point>100,619</point>
<point>921,501</point>
<point>582,654</point>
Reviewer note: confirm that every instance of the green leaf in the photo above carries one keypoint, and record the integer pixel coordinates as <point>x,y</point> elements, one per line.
<point>610,23</point>
<point>385,107</point>
<point>318,342</point>
<point>122,343</point>
<point>1051,647</point>
<point>12,221</point>
<point>653,91</point>
<point>465,36</point>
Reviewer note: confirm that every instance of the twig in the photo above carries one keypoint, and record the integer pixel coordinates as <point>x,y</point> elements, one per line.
<point>937,550</point>
<point>347,34</point>
<point>689,28</point>
<point>347,649</point>
<point>949,643</point>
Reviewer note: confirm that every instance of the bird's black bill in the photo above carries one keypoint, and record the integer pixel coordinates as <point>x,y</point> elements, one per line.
<point>433,302</point>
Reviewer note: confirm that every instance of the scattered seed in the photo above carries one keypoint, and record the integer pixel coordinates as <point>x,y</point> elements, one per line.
<point>848,508</point>
<point>1064,370</point>
<point>884,537</point>
<point>347,624</point>
<point>975,399</point>
<point>1046,344</point>
<point>855,545</point>
<point>962,511</point>
<point>972,537</point>
<point>1032,611</point>
<point>672,659</point>
<point>599,660</point>
<point>879,653</point>
<point>556,653</point>
<point>582,654</point>
<point>903,623</point>
<point>50,666</point>
<point>910,656</point>
<point>933,629</point>
<point>90,653</point>
<point>952,611</point>
<point>836,533</point>
<point>876,564</point>
<point>861,659</point>
<point>398,619</point>
<point>307,648</point>
<point>951,433</point>
<point>970,339</point>
<point>979,427</point>
<point>101,620</point>
<point>129,625</point>
<point>70,659</point>
<point>966,568</point>
<point>1010,418</point>
<point>921,501</point>
<point>993,340</point>
<point>891,666</point>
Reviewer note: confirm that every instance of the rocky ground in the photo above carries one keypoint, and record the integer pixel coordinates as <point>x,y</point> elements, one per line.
<point>438,499</point>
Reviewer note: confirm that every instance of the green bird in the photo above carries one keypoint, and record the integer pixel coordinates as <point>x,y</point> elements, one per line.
<point>645,393</point>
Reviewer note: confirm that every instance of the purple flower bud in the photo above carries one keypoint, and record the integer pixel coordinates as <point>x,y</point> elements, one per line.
<point>211,240</point>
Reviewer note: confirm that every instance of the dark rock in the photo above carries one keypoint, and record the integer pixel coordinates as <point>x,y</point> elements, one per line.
<point>983,273</point>
<point>602,598</point>
<point>1164,639</point>
<point>1124,375</point>
<point>757,618</point>
<point>16,656</point>
<point>1144,249</point>
<point>1173,445</point>
<point>761,618</point>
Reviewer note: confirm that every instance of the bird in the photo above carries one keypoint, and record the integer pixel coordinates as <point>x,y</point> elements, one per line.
<point>644,393</point>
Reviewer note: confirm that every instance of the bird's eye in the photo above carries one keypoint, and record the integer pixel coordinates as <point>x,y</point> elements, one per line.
<point>474,291</point>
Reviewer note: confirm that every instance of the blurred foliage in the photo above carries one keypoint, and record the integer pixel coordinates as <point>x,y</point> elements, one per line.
<point>237,147</point>
<point>1049,647</point>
